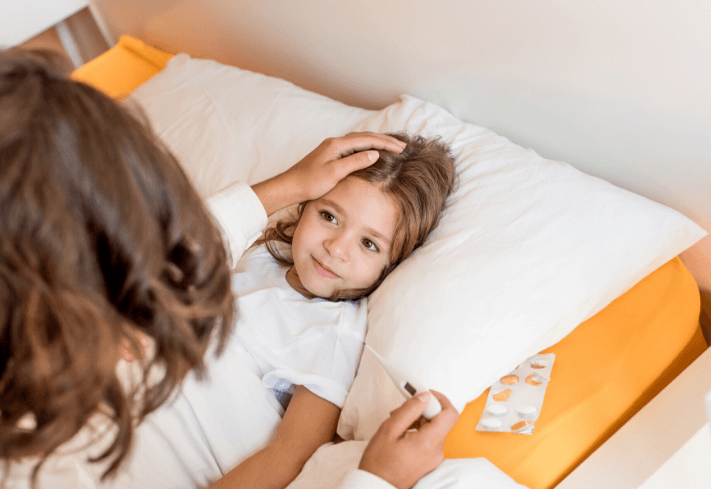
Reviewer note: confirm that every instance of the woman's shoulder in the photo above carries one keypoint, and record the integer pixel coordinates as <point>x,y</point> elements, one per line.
<point>69,467</point>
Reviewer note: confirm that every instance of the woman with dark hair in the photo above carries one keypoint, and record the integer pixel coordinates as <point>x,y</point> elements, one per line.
<point>103,240</point>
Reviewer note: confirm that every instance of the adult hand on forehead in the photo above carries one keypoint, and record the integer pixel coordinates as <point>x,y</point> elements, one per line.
<point>401,456</point>
<point>323,168</point>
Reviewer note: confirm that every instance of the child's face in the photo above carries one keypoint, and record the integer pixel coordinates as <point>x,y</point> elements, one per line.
<point>343,240</point>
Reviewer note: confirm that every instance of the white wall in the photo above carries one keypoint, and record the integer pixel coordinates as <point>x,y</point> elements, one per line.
<point>618,89</point>
<point>21,20</point>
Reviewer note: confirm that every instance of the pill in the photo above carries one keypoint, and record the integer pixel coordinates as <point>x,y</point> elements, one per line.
<point>534,379</point>
<point>539,363</point>
<point>497,409</point>
<point>509,379</point>
<point>491,422</point>
<point>502,396</point>
<point>521,425</point>
<point>526,409</point>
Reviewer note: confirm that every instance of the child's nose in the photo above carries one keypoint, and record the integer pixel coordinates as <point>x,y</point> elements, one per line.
<point>337,246</point>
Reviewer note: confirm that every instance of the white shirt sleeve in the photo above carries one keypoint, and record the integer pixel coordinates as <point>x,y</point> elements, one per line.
<point>58,472</point>
<point>240,215</point>
<point>360,479</point>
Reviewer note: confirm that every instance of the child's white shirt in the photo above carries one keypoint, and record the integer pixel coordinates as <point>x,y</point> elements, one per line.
<point>294,340</point>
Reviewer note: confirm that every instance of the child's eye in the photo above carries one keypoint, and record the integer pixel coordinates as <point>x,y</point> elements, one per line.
<point>328,217</point>
<point>369,245</point>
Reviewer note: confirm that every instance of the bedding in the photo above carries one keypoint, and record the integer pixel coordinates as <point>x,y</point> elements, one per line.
<point>563,243</point>
<point>331,463</point>
<point>607,369</point>
<point>122,68</point>
<point>566,246</point>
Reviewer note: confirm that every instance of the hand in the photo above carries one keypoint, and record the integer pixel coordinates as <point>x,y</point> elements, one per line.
<point>336,158</point>
<point>320,171</point>
<point>403,457</point>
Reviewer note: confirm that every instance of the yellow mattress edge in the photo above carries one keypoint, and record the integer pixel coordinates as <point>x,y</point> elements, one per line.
<point>123,68</point>
<point>627,357</point>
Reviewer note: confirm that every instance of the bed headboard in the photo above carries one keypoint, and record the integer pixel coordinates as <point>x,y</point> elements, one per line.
<point>617,89</point>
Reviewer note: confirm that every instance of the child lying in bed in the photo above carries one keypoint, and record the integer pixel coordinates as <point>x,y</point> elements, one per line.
<point>301,288</point>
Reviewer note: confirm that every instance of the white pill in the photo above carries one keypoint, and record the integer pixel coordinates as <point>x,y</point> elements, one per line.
<point>540,378</point>
<point>540,362</point>
<point>526,409</point>
<point>491,422</point>
<point>497,409</point>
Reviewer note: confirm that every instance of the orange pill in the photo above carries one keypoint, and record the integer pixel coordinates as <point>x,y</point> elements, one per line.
<point>509,379</point>
<point>530,380</point>
<point>502,396</point>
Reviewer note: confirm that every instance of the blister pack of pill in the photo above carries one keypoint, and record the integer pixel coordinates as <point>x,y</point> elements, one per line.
<point>514,402</point>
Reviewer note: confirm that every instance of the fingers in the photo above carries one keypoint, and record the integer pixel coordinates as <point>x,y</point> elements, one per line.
<point>321,170</point>
<point>357,161</point>
<point>443,423</point>
<point>354,150</point>
<point>361,141</point>
<point>403,417</point>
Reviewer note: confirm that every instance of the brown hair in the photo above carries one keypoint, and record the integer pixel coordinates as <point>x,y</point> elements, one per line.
<point>101,234</point>
<point>419,180</point>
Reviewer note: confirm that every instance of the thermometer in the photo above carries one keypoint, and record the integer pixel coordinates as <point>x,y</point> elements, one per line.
<point>408,386</point>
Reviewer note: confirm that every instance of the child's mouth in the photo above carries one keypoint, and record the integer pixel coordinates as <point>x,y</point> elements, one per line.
<point>322,270</point>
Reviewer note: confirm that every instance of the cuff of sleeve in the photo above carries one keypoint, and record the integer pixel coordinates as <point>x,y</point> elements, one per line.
<point>359,479</point>
<point>323,387</point>
<point>240,215</point>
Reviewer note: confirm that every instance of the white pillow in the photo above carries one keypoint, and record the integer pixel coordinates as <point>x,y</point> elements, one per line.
<point>225,124</point>
<point>527,250</point>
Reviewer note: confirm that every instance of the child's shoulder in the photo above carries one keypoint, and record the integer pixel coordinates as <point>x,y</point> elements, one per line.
<point>258,257</point>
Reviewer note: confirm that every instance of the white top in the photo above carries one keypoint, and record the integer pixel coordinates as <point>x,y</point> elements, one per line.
<point>208,427</point>
<point>294,340</point>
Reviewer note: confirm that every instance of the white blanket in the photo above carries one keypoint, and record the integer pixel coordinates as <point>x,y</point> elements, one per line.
<point>327,467</point>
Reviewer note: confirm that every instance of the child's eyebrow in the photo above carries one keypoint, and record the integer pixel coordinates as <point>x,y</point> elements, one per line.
<point>340,210</point>
<point>378,235</point>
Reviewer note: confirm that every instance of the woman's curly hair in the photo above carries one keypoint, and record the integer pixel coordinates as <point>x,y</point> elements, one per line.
<point>101,235</point>
<point>418,180</point>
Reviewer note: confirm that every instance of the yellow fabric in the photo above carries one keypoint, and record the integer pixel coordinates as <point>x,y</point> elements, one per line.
<point>607,369</point>
<point>124,67</point>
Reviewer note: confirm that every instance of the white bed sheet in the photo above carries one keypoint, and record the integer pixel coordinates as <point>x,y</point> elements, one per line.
<point>331,462</point>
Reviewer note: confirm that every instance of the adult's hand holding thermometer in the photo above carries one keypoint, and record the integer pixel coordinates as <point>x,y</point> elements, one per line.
<point>408,386</point>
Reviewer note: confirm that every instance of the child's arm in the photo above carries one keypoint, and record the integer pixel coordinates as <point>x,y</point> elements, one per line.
<point>309,422</point>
